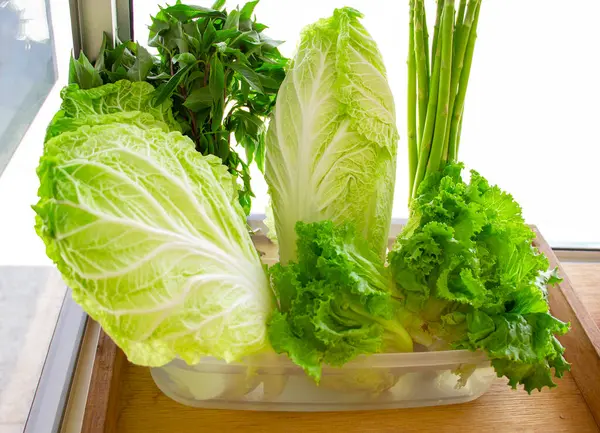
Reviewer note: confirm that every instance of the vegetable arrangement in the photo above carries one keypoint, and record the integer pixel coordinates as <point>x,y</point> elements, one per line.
<point>219,69</point>
<point>141,210</point>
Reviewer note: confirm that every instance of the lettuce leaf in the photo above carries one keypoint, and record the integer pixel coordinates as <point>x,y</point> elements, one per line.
<point>119,97</point>
<point>150,236</point>
<point>470,275</point>
<point>335,302</point>
<point>332,139</point>
<point>61,124</point>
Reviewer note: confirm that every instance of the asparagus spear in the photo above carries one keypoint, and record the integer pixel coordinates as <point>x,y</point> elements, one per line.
<point>425,143</point>
<point>426,43</point>
<point>447,73</point>
<point>412,99</point>
<point>436,28</point>
<point>422,74</point>
<point>462,34</point>
<point>456,120</point>
<point>442,114</point>
<point>460,17</point>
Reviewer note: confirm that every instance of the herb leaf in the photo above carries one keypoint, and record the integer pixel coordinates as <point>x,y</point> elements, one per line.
<point>221,72</point>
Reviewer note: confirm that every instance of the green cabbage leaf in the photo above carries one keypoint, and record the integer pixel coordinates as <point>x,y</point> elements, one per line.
<point>332,138</point>
<point>117,98</point>
<point>150,236</point>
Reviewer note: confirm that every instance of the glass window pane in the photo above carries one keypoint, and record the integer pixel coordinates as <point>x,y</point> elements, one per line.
<point>530,114</point>
<point>35,42</point>
<point>27,69</point>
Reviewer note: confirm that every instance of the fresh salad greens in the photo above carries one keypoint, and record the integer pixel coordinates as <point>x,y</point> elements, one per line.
<point>141,210</point>
<point>469,275</point>
<point>149,234</point>
<point>335,302</point>
<point>218,68</point>
<point>463,274</point>
<point>332,139</point>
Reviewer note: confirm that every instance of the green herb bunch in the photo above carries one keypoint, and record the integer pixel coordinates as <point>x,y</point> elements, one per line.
<point>218,67</point>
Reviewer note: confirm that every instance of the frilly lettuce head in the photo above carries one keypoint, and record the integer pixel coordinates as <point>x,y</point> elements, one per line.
<point>335,302</point>
<point>470,276</point>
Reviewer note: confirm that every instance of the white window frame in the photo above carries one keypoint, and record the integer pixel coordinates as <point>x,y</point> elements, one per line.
<point>90,18</point>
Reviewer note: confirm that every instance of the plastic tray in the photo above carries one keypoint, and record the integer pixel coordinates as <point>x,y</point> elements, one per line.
<point>381,381</point>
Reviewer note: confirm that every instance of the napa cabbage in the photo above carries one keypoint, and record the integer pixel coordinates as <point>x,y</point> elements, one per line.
<point>332,138</point>
<point>150,236</point>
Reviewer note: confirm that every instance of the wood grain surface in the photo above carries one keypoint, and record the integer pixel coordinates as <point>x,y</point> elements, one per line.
<point>585,279</point>
<point>144,408</point>
<point>103,400</point>
<point>139,406</point>
<point>583,339</point>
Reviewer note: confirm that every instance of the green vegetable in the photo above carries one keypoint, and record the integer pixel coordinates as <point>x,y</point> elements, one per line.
<point>62,124</point>
<point>81,107</point>
<point>331,143</point>
<point>441,76</point>
<point>151,237</point>
<point>334,303</point>
<point>465,275</point>
<point>219,69</point>
<point>470,276</point>
<point>465,264</point>
<point>82,72</point>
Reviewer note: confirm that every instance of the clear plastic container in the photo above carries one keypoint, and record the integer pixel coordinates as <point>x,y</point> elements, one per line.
<point>381,381</point>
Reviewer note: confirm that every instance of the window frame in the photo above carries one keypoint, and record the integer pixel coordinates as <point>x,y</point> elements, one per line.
<point>90,18</point>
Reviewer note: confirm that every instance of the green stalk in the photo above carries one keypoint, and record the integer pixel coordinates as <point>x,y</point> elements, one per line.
<point>397,338</point>
<point>458,109</point>
<point>395,335</point>
<point>426,43</point>
<point>412,102</point>
<point>461,39</point>
<point>420,54</point>
<point>425,143</point>
<point>436,30</point>
<point>460,18</point>
<point>457,145</point>
<point>444,158</point>
<point>442,116</point>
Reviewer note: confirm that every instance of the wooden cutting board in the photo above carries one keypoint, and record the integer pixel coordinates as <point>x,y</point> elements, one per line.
<point>123,397</point>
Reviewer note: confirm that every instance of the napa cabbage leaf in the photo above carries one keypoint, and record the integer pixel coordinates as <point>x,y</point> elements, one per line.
<point>331,143</point>
<point>150,236</point>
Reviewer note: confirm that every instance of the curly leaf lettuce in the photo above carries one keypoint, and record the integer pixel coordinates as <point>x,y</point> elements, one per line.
<point>150,236</point>
<point>332,138</point>
<point>470,276</point>
<point>335,302</point>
